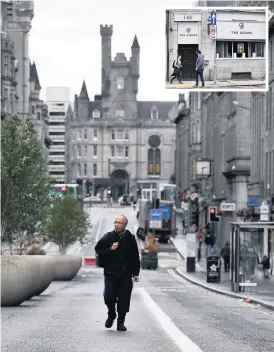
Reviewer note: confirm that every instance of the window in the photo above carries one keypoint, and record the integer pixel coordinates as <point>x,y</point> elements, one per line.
<point>85,134</point>
<point>79,151</point>
<point>193,133</point>
<point>79,134</point>
<point>11,103</point>
<point>95,133</point>
<point>120,134</point>
<point>78,170</point>
<point>60,124</point>
<point>112,150</point>
<point>57,133</point>
<point>73,151</point>
<point>94,169</point>
<point>119,151</point>
<point>96,114</point>
<point>33,109</point>
<point>85,169</point>
<point>154,114</point>
<point>154,162</point>
<point>120,83</point>
<point>85,151</point>
<point>6,93</point>
<point>231,49</point>
<point>113,134</point>
<point>57,153</point>
<point>126,152</point>
<point>57,114</point>
<point>38,115</point>
<point>95,150</point>
<point>120,113</point>
<point>58,143</point>
<point>6,65</point>
<point>126,135</point>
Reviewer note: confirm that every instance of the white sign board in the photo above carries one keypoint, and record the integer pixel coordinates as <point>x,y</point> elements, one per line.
<point>264,208</point>
<point>228,30</point>
<point>155,224</point>
<point>191,244</point>
<point>264,217</point>
<point>212,31</point>
<point>227,206</point>
<point>187,17</point>
<point>188,33</point>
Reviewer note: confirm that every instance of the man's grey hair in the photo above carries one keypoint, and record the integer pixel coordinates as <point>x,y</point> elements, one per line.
<point>125,218</point>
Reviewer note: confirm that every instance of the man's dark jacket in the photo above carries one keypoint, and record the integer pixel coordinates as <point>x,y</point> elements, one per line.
<point>124,260</point>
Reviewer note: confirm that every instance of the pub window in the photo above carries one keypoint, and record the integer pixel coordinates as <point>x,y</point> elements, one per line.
<point>94,169</point>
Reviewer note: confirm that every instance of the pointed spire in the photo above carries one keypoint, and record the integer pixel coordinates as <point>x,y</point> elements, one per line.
<point>84,92</point>
<point>69,111</point>
<point>135,44</point>
<point>34,75</point>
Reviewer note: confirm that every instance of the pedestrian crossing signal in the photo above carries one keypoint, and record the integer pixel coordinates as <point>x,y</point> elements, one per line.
<point>213,217</point>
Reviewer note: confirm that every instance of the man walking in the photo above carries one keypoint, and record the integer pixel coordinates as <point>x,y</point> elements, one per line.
<point>119,256</point>
<point>200,65</point>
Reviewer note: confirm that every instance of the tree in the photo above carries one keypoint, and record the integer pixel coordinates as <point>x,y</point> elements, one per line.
<point>66,222</point>
<point>24,179</point>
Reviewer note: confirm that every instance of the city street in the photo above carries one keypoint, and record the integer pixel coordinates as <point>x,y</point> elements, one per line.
<point>167,312</point>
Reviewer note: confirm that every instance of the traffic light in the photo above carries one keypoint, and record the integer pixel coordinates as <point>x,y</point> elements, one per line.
<point>201,236</point>
<point>64,189</point>
<point>213,217</point>
<point>194,218</point>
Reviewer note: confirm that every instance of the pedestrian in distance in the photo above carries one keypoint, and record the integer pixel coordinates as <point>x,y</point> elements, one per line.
<point>118,254</point>
<point>225,254</point>
<point>200,65</point>
<point>177,72</point>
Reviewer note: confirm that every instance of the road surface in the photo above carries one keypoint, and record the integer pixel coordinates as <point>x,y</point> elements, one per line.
<point>167,314</point>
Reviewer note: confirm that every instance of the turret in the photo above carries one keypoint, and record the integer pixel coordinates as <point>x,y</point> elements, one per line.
<point>106,33</point>
<point>83,103</point>
<point>135,64</point>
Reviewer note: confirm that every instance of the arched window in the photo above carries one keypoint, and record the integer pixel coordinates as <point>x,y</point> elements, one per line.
<point>154,156</point>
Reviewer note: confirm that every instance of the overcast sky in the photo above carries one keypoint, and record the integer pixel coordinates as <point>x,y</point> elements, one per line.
<point>65,42</point>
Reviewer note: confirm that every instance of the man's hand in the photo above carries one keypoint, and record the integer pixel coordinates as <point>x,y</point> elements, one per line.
<point>136,278</point>
<point>114,246</point>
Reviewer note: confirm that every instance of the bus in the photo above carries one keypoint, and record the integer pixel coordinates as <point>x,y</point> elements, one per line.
<point>71,189</point>
<point>166,191</point>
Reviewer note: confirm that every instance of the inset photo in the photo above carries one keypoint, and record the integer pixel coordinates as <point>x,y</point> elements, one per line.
<point>217,48</point>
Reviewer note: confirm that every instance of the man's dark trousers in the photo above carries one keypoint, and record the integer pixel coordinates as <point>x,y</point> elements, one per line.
<point>201,74</point>
<point>118,289</point>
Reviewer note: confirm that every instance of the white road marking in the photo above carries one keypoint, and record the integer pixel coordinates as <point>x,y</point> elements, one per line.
<point>183,342</point>
<point>98,230</point>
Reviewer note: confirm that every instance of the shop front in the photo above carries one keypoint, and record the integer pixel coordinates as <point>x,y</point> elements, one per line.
<point>241,45</point>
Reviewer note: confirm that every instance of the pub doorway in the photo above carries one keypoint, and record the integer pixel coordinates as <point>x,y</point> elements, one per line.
<point>188,57</point>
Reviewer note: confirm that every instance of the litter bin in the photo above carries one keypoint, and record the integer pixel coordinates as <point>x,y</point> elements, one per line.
<point>213,269</point>
<point>149,259</point>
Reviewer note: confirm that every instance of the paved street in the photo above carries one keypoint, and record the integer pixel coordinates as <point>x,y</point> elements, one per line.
<point>70,316</point>
<point>219,84</point>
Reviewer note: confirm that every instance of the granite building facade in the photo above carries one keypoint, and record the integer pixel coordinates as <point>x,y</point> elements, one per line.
<point>115,140</point>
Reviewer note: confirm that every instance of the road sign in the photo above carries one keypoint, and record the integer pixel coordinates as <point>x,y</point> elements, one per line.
<point>212,31</point>
<point>156,214</point>
<point>155,224</point>
<point>213,18</point>
<point>227,206</point>
<point>264,217</point>
<point>194,196</point>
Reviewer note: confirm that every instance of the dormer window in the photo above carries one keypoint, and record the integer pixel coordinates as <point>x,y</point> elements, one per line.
<point>96,114</point>
<point>120,83</point>
<point>120,113</point>
<point>154,114</point>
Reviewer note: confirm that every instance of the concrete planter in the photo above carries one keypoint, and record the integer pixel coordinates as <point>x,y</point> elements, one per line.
<point>23,277</point>
<point>66,267</point>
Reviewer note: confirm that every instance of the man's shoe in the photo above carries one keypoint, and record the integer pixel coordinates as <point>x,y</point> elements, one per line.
<point>109,322</point>
<point>121,326</point>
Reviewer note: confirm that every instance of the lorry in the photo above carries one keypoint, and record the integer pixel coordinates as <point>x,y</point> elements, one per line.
<point>168,227</point>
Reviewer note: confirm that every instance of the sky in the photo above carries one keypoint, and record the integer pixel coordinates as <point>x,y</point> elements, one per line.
<point>65,42</point>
